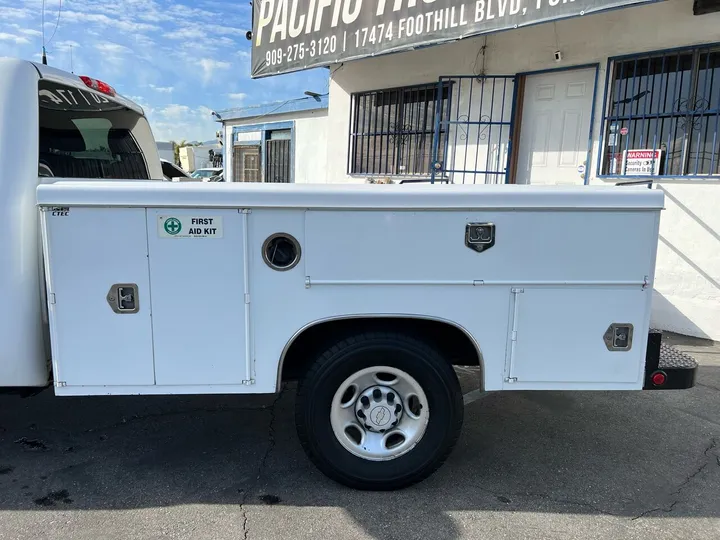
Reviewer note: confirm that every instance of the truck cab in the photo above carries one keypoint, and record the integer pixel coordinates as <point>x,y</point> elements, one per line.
<point>53,124</point>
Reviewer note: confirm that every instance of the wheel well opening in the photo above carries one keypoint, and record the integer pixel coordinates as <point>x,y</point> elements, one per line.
<point>451,342</point>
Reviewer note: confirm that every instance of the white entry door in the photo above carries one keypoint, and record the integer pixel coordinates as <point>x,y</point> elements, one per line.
<point>555,127</point>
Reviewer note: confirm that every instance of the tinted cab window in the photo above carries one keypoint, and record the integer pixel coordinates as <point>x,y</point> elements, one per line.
<point>88,135</point>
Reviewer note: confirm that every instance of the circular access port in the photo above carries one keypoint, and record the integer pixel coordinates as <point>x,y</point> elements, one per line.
<point>281,251</point>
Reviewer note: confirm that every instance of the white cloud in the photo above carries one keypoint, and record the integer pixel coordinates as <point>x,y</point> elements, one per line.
<point>186,33</point>
<point>112,48</point>
<point>177,122</point>
<point>18,40</point>
<point>16,13</point>
<point>65,45</point>
<point>126,25</point>
<point>174,112</point>
<point>209,66</point>
<point>162,89</point>
<point>29,31</point>
<point>224,30</point>
<point>237,96</point>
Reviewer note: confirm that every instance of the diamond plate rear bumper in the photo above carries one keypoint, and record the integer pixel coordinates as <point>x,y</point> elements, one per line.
<point>678,368</point>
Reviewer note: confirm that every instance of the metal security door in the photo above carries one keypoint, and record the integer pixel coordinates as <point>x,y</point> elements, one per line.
<point>473,131</point>
<point>277,161</point>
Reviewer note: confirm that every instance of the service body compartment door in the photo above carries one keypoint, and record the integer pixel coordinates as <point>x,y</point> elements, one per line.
<point>94,341</point>
<point>559,337</point>
<point>197,271</point>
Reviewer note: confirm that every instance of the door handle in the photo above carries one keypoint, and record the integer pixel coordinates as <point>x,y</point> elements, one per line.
<point>480,236</point>
<point>123,298</point>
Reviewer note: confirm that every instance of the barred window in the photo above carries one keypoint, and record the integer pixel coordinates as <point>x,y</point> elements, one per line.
<point>392,130</point>
<point>663,114</point>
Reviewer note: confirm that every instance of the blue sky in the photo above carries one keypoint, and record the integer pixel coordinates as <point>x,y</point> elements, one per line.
<point>178,59</point>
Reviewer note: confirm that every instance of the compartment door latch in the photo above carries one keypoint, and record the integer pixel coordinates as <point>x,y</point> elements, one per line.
<point>480,236</point>
<point>123,298</point>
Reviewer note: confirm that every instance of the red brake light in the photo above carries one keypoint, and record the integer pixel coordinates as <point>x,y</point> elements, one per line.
<point>100,86</point>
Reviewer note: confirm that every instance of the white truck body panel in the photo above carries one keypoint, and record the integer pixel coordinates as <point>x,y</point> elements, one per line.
<point>213,317</point>
<point>23,358</point>
<point>24,346</point>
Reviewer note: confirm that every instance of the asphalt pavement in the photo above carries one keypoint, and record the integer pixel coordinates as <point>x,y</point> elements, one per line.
<point>536,465</point>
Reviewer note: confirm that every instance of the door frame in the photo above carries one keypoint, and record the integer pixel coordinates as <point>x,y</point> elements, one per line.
<point>521,77</point>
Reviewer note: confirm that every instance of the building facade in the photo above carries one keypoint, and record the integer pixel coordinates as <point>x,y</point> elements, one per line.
<point>277,142</point>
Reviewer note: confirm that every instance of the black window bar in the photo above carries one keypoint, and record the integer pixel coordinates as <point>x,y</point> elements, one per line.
<point>392,130</point>
<point>664,102</point>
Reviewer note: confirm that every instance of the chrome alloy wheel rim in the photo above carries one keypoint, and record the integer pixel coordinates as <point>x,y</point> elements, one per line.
<point>379,413</point>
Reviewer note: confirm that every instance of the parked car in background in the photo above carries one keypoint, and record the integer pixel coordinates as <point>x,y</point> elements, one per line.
<point>173,173</point>
<point>206,173</point>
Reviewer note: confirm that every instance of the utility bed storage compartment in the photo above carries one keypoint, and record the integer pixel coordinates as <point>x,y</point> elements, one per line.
<point>163,288</point>
<point>94,253</point>
<point>146,300</point>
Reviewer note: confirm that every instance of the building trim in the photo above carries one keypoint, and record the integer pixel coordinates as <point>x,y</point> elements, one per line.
<point>276,107</point>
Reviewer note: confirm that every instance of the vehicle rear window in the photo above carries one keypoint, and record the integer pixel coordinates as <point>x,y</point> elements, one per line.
<point>87,135</point>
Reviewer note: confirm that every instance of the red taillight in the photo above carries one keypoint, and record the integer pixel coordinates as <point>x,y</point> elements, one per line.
<point>658,378</point>
<point>100,86</point>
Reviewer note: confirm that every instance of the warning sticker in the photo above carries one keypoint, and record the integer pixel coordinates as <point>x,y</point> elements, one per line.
<point>190,227</point>
<point>641,162</point>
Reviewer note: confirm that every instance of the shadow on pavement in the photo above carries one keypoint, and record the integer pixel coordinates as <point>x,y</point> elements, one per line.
<point>623,454</point>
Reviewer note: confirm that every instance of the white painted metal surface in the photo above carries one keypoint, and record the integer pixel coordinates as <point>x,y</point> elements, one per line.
<point>579,271</point>
<point>198,298</point>
<point>555,127</point>
<point>23,359</point>
<point>94,249</point>
<point>347,196</point>
<point>24,345</point>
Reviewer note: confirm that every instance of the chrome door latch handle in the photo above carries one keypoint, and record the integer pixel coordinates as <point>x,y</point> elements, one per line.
<point>123,298</point>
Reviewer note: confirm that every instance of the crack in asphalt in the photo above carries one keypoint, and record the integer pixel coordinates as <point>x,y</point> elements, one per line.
<point>261,466</point>
<point>533,495</point>
<point>576,503</point>
<point>684,483</point>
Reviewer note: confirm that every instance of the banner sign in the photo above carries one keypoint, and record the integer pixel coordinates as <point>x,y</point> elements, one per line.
<point>290,35</point>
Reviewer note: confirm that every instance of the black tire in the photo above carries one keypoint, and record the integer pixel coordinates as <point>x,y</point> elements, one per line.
<point>314,398</point>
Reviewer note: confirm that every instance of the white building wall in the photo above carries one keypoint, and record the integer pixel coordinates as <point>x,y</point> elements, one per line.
<point>311,149</point>
<point>687,284</point>
<point>309,146</point>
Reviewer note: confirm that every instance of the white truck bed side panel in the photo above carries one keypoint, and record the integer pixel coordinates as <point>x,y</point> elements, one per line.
<point>198,297</point>
<point>345,196</point>
<point>572,246</point>
<point>560,331</point>
<point>282,305</point>
<point>91,249</point>
<point>406,256</point>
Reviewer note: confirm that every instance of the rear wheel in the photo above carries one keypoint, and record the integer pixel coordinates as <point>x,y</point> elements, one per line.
<point>379,411</point>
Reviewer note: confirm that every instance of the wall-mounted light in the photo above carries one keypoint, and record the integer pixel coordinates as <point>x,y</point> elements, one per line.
<point>313,95</point>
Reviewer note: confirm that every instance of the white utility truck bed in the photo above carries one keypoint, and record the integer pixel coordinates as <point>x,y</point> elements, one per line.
<point>366,293</point>
<point>366,296</point>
